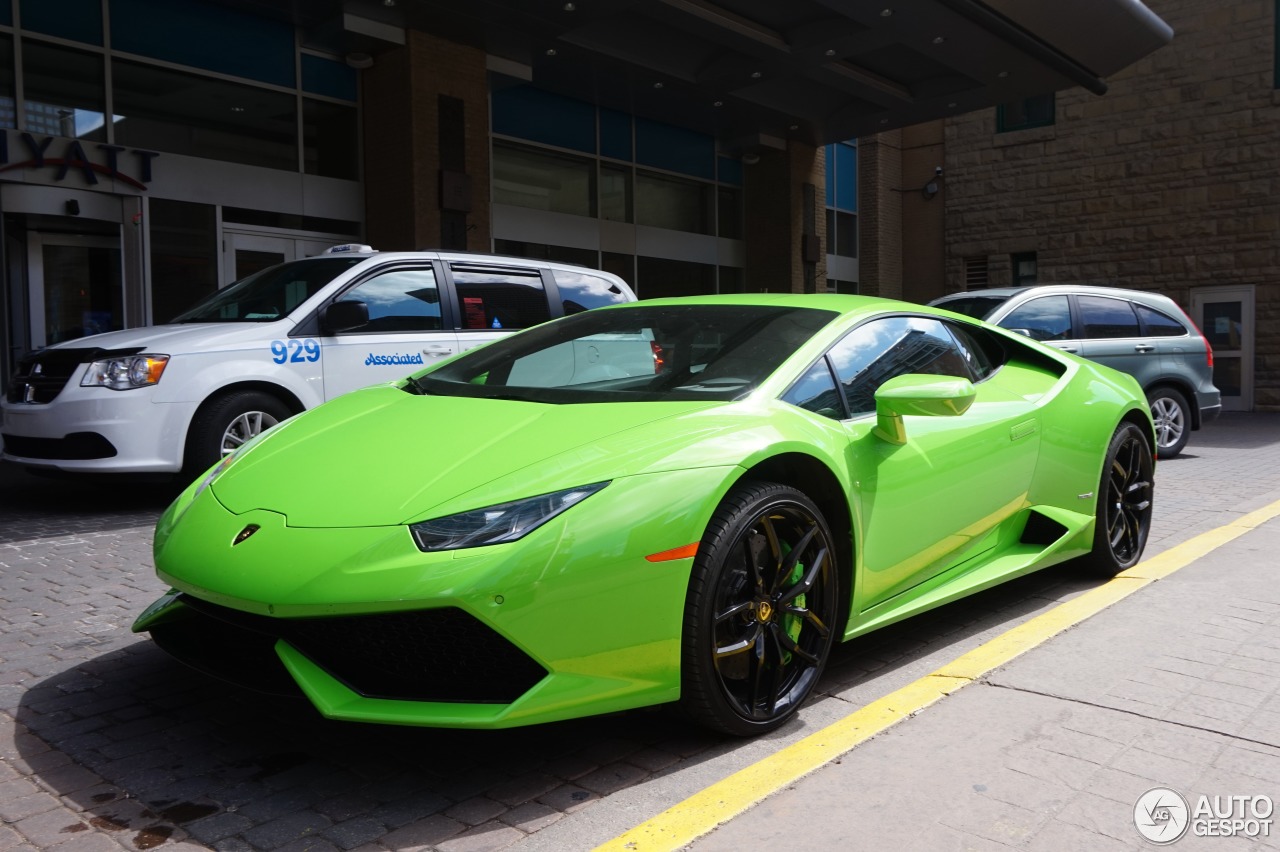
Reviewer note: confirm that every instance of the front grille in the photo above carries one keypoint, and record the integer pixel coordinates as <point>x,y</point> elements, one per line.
<point>42,375</point>
<point>76,446</point>
<point>442,654</point>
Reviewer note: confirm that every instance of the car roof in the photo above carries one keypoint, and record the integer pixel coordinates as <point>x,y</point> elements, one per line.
<point>1044,289</point>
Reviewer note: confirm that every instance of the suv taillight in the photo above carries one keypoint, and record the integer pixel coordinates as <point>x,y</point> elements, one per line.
<point>1208,347</point>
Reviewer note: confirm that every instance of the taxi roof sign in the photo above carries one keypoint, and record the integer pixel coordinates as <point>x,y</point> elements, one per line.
<point>345,248</point>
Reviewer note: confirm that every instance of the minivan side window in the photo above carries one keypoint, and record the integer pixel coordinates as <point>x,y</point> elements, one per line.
<point>499,298</point>
<point>1105,318</point>
<point>1158,324</point>
<point>1045,318</point>
<point>398,300</point>
<point>879,350</point>
<point>581,292</point>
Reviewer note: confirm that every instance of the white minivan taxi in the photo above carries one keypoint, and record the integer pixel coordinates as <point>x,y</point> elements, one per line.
<point>175,398</point>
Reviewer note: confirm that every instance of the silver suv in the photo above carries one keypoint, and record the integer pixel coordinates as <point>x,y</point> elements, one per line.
<point>1141,333</point>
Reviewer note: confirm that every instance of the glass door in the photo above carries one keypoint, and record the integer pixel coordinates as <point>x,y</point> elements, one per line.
<point>76,286</point>
<point>249,253</point>
<point>1225,315</point>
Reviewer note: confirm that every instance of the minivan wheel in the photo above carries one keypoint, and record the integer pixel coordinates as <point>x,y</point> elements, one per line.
<point>1172,416</point>
<point>224,423</point>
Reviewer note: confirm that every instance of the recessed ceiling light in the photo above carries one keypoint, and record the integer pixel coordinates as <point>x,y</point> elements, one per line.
<point>551,51</point>
<point>886,13</point>
<point>388,3</point>
<point>939,39</point>
<point>951,105</point>
<point>569,7</point>
<point>794,127</point>
<point>830,52</point>
<point>884,121</point>
<point>657,85</point>
<point>756,75</point>
<point>717,103</point>
<point>1003,74</point>
<point>237,109</point>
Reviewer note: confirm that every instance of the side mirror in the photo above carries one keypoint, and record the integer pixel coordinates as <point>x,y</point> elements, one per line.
<point>344,316</point>
<point>926,396</point>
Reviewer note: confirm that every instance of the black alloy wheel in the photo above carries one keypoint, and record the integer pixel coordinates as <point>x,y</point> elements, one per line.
<point>1125,497</point>
<point>760,616</point>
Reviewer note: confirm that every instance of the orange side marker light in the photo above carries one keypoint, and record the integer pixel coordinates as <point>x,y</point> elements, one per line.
<point>689,550</point>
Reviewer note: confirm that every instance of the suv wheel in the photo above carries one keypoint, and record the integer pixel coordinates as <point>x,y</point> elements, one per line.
<point>1172,416</point>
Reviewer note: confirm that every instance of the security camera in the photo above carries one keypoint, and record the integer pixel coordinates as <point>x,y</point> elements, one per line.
<point>937,171</point>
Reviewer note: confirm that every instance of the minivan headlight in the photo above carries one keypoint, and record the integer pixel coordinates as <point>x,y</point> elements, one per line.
<point>131,371</point>
<point>497,524</point>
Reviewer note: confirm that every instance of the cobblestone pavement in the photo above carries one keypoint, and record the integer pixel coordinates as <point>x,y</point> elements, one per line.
<point>108,744</point>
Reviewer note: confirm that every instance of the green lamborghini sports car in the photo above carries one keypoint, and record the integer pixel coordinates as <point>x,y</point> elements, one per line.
<point>680,500</point>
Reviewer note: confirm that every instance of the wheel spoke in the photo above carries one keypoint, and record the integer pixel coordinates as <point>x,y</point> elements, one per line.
<point>758,672</point>
<point>806,583</point>
<point>791,645</point>
<point>770,534</point>
<point>754,567</point>
<point>736,609</point>
<point>741,645</point>
<point>787,568</point>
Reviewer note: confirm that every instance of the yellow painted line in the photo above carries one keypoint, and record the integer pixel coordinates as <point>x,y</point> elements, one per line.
<point>685,822</point>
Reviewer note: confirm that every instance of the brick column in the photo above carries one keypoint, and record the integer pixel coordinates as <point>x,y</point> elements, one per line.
<point>776,226</point>
<point>880,214</point>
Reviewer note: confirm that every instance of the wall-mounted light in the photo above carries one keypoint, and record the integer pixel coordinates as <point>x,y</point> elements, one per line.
<point>72,206</point>
<point>930,189</point>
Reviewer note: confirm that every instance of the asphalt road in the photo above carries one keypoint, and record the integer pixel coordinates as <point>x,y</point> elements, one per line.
<point>109,744</point>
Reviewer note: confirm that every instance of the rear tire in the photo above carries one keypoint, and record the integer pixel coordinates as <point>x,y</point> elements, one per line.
<point>760,617</point>
<point>224,423</point>
<point>1124,504</point>
<point>1172,416</point>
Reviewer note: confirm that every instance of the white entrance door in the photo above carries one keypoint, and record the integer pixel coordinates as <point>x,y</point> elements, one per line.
<point>76,286</point>
<point>1225,315</point>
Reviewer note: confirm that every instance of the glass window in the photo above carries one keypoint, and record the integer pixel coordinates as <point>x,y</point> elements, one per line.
<point>1025,268</point>
<point>270,294</point>
<point>615,193</point>
<point>8,106</point>
<point>730,280</point>
<point>167,110</point>
<point>669,202</point>
<point>322,76</point>
<point>842,233</point>
<point>659,276</point>
<point>1223,327</point>
<point>621,265</point>
<point>879,350</point>
<point>543,181</point>
<point>816,391</point>
<point>1046,318</point>
<point>76,20</point>
<point>1029,112</point>
<point>1103,318</point>
<point>184,261</point>
<point>329,140</point>
<point>729,212</point>
<point>499,298</point>
<point>546,251</point>
<point>981,353</point>
<point>1158,324</point>
<point>400,300</point>
<point>64,92</point>
<point>581,291</point>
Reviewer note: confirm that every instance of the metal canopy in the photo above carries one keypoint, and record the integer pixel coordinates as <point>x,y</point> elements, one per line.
<point>757,72</point>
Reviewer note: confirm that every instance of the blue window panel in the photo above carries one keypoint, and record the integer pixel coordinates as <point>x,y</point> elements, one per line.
<point>675,149</point>
<point>203,35</point>
<point>830,153</point>
<point>845,195</point>
<point>322,76</point>
<point>6,13</point>
<point>528,113</point>
<point>615,134</point>
<point>730,170</point>
<point>77,20</point>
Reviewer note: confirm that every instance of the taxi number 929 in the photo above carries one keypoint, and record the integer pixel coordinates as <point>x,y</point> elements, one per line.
<point>295,351</point>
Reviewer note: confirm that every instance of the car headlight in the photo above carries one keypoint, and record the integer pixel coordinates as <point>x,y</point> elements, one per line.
<point>126,373</point>
<point>497,524</point>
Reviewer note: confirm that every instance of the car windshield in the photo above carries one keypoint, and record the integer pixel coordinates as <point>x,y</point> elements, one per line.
<point>629,354</point>
<point>978,307</point>
<point>268,295</point>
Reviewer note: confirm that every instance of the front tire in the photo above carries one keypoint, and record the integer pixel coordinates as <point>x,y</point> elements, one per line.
<point>224,423</point>
<point>1124,504</point>
<point>760,616</point>
<point>1172,416</point>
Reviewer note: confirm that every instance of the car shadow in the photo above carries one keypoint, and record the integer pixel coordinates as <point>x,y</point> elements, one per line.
<point>40,506</point>
<point>148,749</point>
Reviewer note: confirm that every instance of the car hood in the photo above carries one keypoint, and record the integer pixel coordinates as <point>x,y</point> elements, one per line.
<point>171,339</point>
<point>381,456</point>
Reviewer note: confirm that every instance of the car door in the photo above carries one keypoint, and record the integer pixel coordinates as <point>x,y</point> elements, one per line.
<point>1110,334</point>
<point>1043,318</point>
<point>405,331</point>
<point>929,504</point>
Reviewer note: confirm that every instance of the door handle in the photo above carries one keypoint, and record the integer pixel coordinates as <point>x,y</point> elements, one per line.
<point>1072,349</point>
<point>1144,347</point>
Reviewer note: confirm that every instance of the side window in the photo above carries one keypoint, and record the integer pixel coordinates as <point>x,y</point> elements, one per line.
<point>1158,324</point>
<point>399,300</point>
<point>877,351</point>
<point>1046,318</point>
<point>982,354</point>
<point>499,298</point>
<point>581,292</point>
<point>1104,318</point>
<point>816,391</point>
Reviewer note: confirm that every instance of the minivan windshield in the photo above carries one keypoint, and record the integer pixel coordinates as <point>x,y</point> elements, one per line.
<point>270,294</point>
<point>634,353</point>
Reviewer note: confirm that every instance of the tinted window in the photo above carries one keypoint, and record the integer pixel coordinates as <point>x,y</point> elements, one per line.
<point>400,300</point>
<point>1102,318</point>
<point>500,298</point>
<point>981,354</point>
<point>580,292</point>
<point>1157,324</point>
<point>877,351</point>
<point>978,307</point>
<point>816,391</point>
<point>1046,318</point>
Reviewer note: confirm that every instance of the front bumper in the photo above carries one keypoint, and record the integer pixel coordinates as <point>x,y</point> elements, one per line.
<point>96,430</point>
<point>569,621</point>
